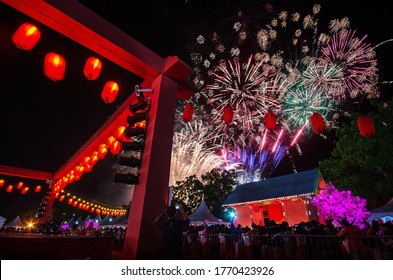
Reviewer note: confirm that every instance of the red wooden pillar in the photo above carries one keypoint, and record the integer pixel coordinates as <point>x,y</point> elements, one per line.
<point>151,194</point>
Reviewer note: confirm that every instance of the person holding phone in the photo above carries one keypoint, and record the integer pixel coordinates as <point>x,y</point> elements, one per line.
<point>171,223</point>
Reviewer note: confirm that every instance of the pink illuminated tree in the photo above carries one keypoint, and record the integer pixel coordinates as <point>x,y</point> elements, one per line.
<point>336,205</point>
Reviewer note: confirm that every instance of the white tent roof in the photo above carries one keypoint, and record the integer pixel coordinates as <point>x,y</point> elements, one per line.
<point>383,211</point>
<point>85,221</point>
<point>15,223</point>
<point>203,215</point>
<point>106,221</point>
<point>2,221</point>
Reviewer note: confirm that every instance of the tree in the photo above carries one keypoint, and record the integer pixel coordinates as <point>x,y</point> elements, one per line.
<point>217,186</point>
<point>214,188</point>
<point>189,192</point>
<point>335,206</point>
<point>364,165</point>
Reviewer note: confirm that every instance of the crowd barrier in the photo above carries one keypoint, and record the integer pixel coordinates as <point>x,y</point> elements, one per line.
<point>287,247</point>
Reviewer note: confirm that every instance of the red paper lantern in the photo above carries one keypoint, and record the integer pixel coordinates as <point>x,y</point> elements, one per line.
<point>88,167</point>
<point>317,123</point>
<point>86,160</point>
<point>2,182</point>
<point>119,132</point>
<point>26,37</point>
<point>109,92</point>
<point>94,158</point>
<point>188,111</point>
<point>75,203</point>
<point>10,188</point>
<point>110,141</point>
<point>25,190</point>
<point>366,126</point>
<point>228,114</point>
<point>70,201</point>
<point>20,185</point>
<point>116,147</point>
<point>79,170</point>
<point>270,121</point>
<point>54,66</point>
<point>38,189</point>
<point>61,198</point>
<point>102,150</point>
<point>92,68</point>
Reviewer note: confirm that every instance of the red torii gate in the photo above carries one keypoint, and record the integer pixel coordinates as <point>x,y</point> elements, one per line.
<point>163,76</point>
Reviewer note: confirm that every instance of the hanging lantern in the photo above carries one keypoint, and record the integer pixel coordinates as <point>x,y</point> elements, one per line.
<point>119,132</point>
<point>61,198</point>
<point>70,201</point>
<point>109,92</point>
<point>270,121</point>
<point>92,68</point>
<point>188,111</point>
<point>110,141</point>
<point>94,158</point>
<point>10,188</point>
<point>317,123</point>
<point>88,167</point>
<point>86,160</point>
<point>116,147</point>
<point>92,209</point>
<point>25,190</point>
<point>366,126</point>
<point>2,182</point>
<point>79,170</point>
<point>26,37</point>
<point>20,185</point>
<point>38,189</point>
<point>54,66</point>
<point>102,150</point>
<point>75,203</point>
<point>228,114</point>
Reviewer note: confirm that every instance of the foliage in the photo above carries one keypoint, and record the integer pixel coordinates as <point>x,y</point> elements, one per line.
<point>364,165</point>
<point>217,186</point>
<point>214,188</point>
<point>189,192</point>
<point>335,205</point>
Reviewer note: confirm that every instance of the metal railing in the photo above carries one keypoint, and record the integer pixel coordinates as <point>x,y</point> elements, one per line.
<point>287,247</point>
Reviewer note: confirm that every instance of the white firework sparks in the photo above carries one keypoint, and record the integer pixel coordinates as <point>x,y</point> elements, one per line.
<point>191,153</point>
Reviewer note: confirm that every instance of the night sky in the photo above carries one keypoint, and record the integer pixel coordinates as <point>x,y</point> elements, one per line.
<point>43,123</point>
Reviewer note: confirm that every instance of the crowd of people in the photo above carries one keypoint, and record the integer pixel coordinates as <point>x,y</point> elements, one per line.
<point>306,240</point>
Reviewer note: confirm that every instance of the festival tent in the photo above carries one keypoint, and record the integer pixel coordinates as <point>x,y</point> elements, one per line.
<point>15,223</point>
<point>71,222</point>
<point>98,219</point>
<point>79,222</point>
<point>118,220</point>
<point>202,215</point>
<point>384,211</point>
<point>2,221</point>
<point>107,221</point>
<point>85,221</point>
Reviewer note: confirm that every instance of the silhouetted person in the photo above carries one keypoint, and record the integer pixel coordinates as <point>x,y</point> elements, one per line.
<point>171,223</point>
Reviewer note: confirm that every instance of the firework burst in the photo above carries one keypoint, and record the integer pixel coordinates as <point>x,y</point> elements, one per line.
<point>356,61</point>
<point>300,103</point>
<point>193,153</point>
